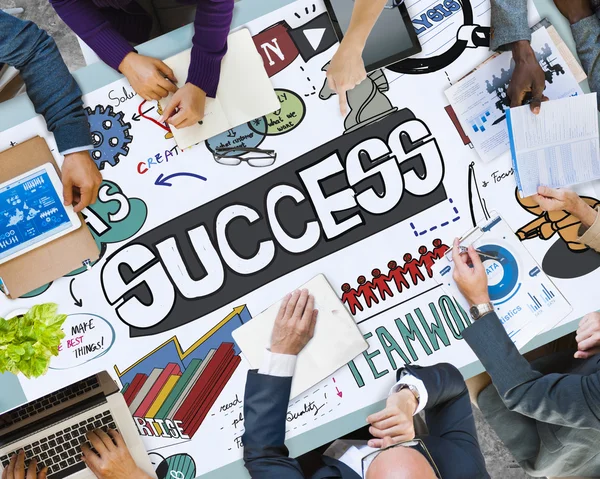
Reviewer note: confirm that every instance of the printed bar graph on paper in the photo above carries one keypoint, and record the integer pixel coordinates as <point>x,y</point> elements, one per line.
<point>479,120</point>
<point>536,304</point>
<point>548,295</point>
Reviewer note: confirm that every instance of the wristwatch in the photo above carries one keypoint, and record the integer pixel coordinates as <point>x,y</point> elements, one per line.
<point>412,389</point>
<point>479,310</point>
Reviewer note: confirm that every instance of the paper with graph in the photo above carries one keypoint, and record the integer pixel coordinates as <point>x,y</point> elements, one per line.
<point>480,99</point>
<point>522,294</point>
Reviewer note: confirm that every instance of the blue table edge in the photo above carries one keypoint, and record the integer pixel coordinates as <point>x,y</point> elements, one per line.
<point>98,75</point>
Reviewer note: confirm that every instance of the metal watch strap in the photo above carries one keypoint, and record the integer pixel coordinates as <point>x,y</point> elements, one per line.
<point>412,389</point>
<point>479,310</point>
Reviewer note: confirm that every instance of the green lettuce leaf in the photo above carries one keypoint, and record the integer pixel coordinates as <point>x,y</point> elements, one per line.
<point>28,342</point>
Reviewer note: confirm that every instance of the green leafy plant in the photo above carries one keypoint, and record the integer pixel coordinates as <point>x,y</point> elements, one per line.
<point>28,341</point>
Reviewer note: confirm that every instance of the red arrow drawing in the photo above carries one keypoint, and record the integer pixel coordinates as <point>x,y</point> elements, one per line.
<point>339,393</point>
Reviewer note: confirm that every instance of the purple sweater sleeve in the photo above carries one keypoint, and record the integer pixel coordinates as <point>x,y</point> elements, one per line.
<point>89,23</point>
<point>213,20</point>
<point>212,23</point>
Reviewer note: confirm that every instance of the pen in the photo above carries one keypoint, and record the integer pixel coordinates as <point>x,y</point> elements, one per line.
<point>462,238</point>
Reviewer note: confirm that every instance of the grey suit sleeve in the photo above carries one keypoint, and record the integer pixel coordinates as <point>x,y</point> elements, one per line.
<point>586,33</point>
<point>569,400</point>
<point>509,23</point>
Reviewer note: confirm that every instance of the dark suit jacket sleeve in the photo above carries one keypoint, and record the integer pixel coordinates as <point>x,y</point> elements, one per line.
<point>449,415</point>
<point>265,408</point>
<point>564,399</point>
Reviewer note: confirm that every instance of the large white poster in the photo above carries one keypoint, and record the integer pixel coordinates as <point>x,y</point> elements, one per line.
<point>191,248</point>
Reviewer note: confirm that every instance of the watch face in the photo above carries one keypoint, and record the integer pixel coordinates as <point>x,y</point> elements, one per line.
<point>474,312</point>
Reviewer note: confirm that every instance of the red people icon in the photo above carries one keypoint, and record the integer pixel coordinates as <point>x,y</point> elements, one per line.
<point>365,289</point>
<point>349,297</point>
<point>427,259</point>
<point>379,281</point>
<point>412,266</point>
<point>397,274</point>
<point>439,248</point>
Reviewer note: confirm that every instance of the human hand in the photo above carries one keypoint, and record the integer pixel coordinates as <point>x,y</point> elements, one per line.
<point>551,199</point>
<point>588,336</point>
<point>112,460</point>
<point>574,10</point>
<point>186,107</point>
<point>16,468</point>
<point>81,180</point>
<point>345,71</point>
<point>527,76</point>
<point>147,76</point>
<point>395,422</point>
<point>471,279</point>
<point>295,323</point>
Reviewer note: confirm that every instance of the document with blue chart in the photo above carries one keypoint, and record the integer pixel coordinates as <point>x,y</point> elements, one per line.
<point>480,99</point>
<point>30,211</point>
<point>524,297</point>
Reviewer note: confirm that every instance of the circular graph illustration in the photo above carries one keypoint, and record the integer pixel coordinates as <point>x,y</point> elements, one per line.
<point>502,270</point>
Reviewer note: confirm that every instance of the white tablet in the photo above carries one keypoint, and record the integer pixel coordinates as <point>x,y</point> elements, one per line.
<point>32,212</point>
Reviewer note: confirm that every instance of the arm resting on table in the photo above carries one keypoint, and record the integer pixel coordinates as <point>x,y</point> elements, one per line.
<point>265,409</point>
<point>448,410</point>
<point>94,28</point>
<point>564,399</point>
<point>51,88</point>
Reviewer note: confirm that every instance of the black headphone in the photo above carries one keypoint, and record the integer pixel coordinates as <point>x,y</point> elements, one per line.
<point>480,37</point>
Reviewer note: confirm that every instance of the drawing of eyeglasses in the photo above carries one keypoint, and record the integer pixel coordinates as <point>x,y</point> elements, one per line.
<point>233,156</point>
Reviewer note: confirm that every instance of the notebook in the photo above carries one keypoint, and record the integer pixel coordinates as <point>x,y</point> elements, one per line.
<point>336,341</point>
<point>244,93</point>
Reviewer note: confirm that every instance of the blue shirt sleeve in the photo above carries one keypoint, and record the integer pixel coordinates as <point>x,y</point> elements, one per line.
<point>51,88</point>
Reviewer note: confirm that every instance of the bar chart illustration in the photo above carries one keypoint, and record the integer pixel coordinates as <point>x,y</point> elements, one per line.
<point>170,391</point>
<point>546,295</point>
<point>479,122</point>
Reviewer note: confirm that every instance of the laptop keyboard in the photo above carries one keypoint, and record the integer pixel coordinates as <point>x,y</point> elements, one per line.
<point>49,401</point>
<point>61,451</point>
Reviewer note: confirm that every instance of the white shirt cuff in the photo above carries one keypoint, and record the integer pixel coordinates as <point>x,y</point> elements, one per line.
<point>275,364</point>
<point>410,380</point>
<point>77,150</point>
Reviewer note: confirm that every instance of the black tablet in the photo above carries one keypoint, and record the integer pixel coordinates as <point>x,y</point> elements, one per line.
<point>393,37</point>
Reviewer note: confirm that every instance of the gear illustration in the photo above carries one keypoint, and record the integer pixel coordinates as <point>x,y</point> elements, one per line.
<point>110,135</point>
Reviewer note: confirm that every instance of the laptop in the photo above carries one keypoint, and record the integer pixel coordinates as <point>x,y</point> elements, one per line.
<point>53,427</point>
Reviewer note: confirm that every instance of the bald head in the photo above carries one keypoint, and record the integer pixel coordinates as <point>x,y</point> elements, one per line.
<point>400,463</point>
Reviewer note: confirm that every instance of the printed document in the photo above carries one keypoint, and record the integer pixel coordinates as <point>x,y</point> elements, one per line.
<point>558,147</point>
<point>480,99</point>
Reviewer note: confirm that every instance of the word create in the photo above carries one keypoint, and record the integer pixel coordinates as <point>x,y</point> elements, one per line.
<point>434,15</point>
<point>336,195</point>
<point>159,158</point>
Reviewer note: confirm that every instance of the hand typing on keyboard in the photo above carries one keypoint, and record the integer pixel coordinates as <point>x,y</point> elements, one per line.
<point>16,469</point>
<point>110,458</point>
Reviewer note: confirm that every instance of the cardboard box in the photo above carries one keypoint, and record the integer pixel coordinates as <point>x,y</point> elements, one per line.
<point>52,260</point>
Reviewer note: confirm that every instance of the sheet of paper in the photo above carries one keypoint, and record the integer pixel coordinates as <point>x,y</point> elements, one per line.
<point>558,147</point>
<point>240,97</point>
<point>519,290</point>
<point>336,341</point>
<point>480,99</point>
